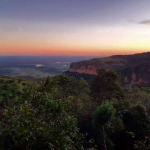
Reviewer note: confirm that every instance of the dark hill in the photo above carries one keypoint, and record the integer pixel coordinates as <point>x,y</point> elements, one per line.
<point>134,68</point>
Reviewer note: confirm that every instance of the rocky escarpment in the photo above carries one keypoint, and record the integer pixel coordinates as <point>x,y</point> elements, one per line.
<point>134,68</point>
<point>141,73</point>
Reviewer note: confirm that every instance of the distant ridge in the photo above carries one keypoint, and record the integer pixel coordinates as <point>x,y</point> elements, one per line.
<point>134,68</point>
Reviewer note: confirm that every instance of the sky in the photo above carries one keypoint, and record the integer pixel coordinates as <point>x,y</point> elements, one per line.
<point>74,27</point>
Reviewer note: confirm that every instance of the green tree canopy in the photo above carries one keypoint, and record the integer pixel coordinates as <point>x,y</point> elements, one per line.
<point>106,86</point>
<point>102,115</point>
<point>39,123</point>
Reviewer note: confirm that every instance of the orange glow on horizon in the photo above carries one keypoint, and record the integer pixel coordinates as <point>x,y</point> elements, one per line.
<point>67,52</point>
<point>44,49</point>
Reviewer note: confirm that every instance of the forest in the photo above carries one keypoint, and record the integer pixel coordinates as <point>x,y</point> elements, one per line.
<point>65,113</point>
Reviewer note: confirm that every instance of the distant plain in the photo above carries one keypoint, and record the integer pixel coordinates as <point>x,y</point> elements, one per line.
<point>34,67</point>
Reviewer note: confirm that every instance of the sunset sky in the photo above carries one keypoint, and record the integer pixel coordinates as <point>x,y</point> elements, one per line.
<point>74,27</point>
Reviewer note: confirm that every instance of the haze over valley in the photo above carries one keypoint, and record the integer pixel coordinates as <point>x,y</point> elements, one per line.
<point>36,67</point>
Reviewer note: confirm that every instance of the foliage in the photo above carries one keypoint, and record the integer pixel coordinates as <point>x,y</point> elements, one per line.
<point>11,89</point>
<point>55,112</point>
<point>142,145</point>
<point>104,113</point>
<point>41,123</point>
<point>63,87</point>
<point>106,86</point>
<point>137,120</point>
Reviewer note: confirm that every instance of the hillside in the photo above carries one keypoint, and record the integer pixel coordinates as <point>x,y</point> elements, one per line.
<point>134,68</point>
<point>61,112</point>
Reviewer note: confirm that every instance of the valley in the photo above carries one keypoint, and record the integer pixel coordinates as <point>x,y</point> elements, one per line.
<point>36,67</point>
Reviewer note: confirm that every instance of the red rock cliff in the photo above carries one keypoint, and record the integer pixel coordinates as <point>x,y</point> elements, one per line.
<point>135,68</point>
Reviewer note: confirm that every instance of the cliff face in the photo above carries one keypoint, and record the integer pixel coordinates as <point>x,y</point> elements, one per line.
<point>141,73</point>
<point>84,69</point>
<point>135,68</point>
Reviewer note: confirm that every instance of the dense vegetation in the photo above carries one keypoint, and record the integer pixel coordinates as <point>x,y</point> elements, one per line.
<point>63,113</point>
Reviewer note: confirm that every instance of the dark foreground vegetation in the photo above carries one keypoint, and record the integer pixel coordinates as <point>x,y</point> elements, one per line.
<point>63,113</point>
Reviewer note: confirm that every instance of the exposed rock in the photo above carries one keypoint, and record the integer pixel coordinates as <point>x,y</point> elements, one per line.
<point>135,68</point>
<point>83,69</point>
